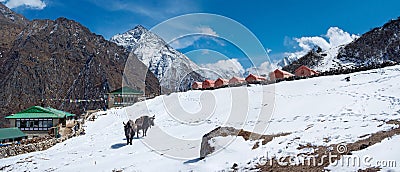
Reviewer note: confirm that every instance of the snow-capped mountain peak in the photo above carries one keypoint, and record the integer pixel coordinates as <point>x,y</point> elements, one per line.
<point>174,70</point>
<point>130,38</point>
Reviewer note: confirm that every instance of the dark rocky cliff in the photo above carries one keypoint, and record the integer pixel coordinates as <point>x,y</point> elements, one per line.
<point>55,63</point>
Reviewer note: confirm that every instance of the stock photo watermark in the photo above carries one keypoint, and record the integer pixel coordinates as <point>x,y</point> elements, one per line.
<point>339,159</point>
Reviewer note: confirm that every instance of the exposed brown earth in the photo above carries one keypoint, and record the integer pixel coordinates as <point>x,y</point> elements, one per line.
<point>331,150</point>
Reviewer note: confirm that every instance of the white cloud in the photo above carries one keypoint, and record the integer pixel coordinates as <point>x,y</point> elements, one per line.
<point>183,42</point>
<point>33,4</point>
<point>307,43</point>
<point>334,37</point>
<point>162,10</point>
<point>203,31</point>
<point>223,68</point>
<point>264,69</point>
<point>339,37</point>
<point>204,52</point>
<point>206,30</point>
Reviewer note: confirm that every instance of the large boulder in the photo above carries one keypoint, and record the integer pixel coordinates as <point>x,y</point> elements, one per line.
<point>208,145</point>
<point>206,148</point>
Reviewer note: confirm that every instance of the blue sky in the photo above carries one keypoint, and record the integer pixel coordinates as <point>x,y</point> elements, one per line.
<point>274,23</point>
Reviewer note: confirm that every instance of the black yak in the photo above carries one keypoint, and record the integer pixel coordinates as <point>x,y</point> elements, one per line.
<point>144,122</point>
<point>129,129</point>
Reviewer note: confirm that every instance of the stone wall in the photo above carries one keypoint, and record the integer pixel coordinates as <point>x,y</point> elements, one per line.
<point>35,144</point>
<point>30,147</point>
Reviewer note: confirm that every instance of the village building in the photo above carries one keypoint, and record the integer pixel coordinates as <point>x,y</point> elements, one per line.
<point>124,96</point>
<point>304,71</point>
<point>11,135</point>
<point>197,85</point>
<point>220,82</point>
<point>254,78</point>
<point>236,80</point>
<point>39,120</point>
<point>279,74</point>
<point>208,83</point>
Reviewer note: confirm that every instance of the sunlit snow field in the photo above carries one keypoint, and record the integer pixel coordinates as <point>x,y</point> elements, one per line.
<point>320,111</point>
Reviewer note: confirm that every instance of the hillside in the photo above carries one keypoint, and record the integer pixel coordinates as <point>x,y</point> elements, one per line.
<point>312,59</point>
<point>56,63</point>
<point>374,47</point>
<point>317,113</point>
<point>11,24</point>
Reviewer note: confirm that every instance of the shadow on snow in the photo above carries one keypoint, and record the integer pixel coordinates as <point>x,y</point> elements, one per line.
<point>118,145</point>
<point>192,161</point>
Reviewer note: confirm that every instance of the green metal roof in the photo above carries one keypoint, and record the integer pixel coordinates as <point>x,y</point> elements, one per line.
<point>32,115</point>
<point>67,114</point>
<point>35,109</point>
<point>126,90</point>
<point>11,133</point>
<point>40,112</point>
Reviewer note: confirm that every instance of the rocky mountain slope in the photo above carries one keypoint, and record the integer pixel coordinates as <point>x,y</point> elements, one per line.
<point>62,64</point>
<point>374,47</point>
<point>11,24</point>
<point>174,70</point>
<point>317,59</point>
<point>312,59</point>
<point>284,62</point>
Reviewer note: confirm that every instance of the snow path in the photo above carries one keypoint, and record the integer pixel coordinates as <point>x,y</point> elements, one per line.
<point>319,111</point>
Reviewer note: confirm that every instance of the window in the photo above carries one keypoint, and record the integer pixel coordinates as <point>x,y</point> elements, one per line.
<point>34,124</point>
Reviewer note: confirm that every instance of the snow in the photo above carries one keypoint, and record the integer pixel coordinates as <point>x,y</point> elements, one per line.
<point>318,111</point>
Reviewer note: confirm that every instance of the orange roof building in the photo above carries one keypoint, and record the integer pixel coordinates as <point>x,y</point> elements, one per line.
<point>208,84</point>
<point>254,78</point>
<point>220,82</point>
<point>236,80</point>
<point>304,71</point>
<point>197,85</point>
<point>279,74</point>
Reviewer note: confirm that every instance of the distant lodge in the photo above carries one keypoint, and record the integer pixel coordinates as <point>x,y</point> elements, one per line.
<point>124,96</point>
<point>302,71</point>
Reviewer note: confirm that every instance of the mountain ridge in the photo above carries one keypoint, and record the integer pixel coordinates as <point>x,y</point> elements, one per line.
<point>61,63</point>
<point>376,46</point>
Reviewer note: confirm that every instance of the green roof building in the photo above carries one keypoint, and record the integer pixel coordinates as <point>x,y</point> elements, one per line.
<point>38,120</point>
<point>124,96</point>
<point>11,134</point>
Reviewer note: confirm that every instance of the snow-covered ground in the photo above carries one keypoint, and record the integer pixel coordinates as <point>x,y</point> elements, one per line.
<point>319,111</point>
<point>384,155</point>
